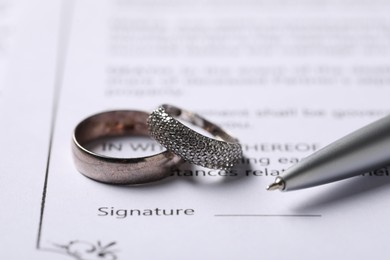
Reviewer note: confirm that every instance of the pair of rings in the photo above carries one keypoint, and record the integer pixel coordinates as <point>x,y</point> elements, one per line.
<point>163,124</point>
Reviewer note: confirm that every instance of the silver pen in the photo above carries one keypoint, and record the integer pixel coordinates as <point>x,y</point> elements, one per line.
<point>361,151</point>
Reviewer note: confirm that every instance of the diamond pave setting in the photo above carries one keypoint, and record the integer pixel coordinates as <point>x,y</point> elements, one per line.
<point>190,145</point>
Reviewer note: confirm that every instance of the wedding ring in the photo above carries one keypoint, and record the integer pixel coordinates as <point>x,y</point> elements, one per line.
<point>118,170</point>
<point>219,153</point>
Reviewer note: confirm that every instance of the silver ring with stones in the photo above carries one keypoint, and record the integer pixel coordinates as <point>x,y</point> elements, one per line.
<point>119,170</point>
<point>219,153</point>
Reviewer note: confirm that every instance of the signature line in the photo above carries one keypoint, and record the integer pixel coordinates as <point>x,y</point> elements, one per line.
<point>270,215</point>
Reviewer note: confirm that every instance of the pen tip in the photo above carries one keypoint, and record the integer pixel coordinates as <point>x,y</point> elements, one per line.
<point>277,185</point>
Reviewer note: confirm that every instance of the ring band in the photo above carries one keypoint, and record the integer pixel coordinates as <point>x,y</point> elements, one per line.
<point>118,170</point>
<point>190,145</point>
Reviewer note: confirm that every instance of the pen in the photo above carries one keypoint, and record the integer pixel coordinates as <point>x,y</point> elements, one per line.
<point>363,150</point>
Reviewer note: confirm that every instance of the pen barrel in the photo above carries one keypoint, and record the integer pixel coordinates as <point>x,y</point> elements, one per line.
<point>361,151</point>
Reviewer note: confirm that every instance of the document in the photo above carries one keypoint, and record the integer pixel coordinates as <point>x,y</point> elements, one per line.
<point>286,78</point>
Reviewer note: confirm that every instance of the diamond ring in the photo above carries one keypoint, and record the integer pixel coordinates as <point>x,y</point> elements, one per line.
<point>220,152</point>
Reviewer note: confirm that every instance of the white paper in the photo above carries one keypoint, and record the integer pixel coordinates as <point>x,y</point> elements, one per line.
<point>285,78</point>
<point>26,101</point>
<point>9,21</point>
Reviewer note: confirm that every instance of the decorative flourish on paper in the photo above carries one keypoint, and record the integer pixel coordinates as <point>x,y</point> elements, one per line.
<point>82,250</point>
